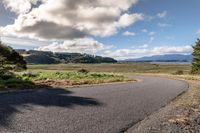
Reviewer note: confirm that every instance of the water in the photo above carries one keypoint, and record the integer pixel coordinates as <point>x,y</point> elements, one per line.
<point>175,63</point>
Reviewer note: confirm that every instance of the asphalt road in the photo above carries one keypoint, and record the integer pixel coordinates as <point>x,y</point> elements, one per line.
<point>97,109</point>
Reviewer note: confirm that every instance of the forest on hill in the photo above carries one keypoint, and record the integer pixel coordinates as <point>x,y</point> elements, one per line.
<point>47,57</point>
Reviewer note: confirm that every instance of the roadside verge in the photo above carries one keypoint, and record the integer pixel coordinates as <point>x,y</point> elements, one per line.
<point>180,116</point>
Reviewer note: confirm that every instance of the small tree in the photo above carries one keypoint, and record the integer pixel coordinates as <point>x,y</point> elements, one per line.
<point>10,59</point>
<point>196,58</point>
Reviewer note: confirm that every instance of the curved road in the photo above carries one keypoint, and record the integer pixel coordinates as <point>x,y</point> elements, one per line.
<point>97,109</point>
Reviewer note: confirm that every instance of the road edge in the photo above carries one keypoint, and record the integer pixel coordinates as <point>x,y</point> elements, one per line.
<point>132,128</point>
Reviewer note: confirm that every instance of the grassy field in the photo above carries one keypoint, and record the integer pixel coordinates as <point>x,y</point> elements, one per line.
<point>34,78</point>
<point>70,78</point>
<point>116,68</point>
<point>65,75</point>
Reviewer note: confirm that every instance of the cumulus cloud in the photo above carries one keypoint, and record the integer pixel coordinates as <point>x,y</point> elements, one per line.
<point>22,42</point>
<point>127,19</point>
<point>128,33</point>
<point>131,53</point>
<point>21,6</point>
<point>84,45</point>
<point>69,19</point>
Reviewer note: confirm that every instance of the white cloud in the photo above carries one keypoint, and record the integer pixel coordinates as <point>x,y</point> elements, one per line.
<point>151,33</point>
<point>128,33</point>
<point>85,45</point>
<point>163,25</point>
<point>198,32</point>
<point>21,6</point>
<point>144,46</point>
<point>131,53</point>
<point>144,30</point>
<point>22,42</point>
<point>162,14</point>
<point>127,19</point>
<point>69,19</point>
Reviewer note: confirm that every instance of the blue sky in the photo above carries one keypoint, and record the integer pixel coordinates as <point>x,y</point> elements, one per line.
<point>149,27</point>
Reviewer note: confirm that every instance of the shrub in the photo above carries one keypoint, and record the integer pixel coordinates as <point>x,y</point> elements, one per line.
<point>179,72</point>
<point>83,71</point>
<point>29,74</point>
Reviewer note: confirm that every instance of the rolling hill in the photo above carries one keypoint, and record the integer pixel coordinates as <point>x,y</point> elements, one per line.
<point>45,57</point>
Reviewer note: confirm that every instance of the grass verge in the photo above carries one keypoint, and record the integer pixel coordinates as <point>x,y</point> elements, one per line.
<point>15,83</point>
<point>55,78</point>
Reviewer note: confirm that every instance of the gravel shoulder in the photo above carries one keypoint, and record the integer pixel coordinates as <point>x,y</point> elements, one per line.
<point>182,115</point>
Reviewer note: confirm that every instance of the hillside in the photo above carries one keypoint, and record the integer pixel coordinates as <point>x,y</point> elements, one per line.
<point>163,58</point>
<point>43,57</point>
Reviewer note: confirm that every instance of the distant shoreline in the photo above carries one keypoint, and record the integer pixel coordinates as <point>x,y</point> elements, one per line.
<point>180,63</point>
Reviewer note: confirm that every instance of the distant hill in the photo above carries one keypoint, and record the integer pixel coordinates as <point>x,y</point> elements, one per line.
<point>43,57</point>
<point>163,58</point>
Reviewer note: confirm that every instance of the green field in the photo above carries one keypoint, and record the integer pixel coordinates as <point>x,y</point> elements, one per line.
<point>65,75</point>
<point>116,68</point>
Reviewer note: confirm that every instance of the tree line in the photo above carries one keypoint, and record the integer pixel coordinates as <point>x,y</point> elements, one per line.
<point>46,57</point>
<point>12,60</point>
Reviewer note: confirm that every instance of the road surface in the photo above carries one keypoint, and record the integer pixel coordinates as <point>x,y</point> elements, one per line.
<point>99,109</point>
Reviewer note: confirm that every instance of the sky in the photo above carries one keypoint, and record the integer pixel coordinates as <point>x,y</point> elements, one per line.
<point>120,29</point>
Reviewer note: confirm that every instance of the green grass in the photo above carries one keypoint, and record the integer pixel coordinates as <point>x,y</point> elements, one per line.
<point>54,78</point>
<point>70,74</point>
<point>86,78</point>
<point>15,83</point>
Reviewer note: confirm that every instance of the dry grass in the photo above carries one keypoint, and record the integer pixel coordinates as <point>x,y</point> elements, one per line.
<point>117,68</point>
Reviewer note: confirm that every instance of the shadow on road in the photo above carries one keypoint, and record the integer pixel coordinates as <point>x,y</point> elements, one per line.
<point>10,102</point>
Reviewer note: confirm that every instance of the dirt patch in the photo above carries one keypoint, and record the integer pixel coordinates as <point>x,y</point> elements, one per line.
<point>60,83</point>
<point>54,83</point>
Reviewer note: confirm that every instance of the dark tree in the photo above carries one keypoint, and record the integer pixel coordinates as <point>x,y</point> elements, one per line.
<point>196,58</point>
<point>10,59</point>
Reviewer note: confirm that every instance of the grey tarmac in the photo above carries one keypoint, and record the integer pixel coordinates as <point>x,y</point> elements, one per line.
<point>111,108</point>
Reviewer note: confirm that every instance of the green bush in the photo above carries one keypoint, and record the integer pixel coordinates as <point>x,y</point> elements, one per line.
<point>179,72</point>
<point>83,71</point>
<point>29,74</point>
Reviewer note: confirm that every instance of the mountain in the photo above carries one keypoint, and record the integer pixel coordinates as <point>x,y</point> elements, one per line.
<point>163,58</point>
<point>46,57</point>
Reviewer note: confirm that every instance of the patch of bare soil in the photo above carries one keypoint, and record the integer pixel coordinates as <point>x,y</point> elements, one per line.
<point>54,83</point>
<point>180,116</point>
<point>62,83</point>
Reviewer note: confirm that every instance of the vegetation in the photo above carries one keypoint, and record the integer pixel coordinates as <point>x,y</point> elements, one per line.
<point>11,61</point>
<point>179,72</point>
<point>196,58</point>
<point>10,77</point>
<point>42,57</point>
<point>117,67</point>
<point>64,78</point>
